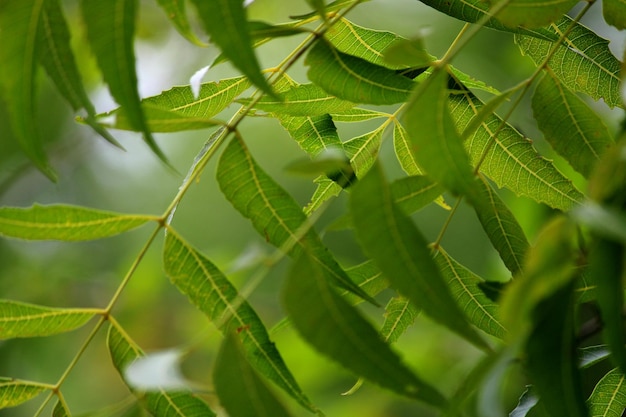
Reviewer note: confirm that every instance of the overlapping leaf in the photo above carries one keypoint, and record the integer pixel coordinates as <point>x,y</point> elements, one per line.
<point>313,134</point>
<point>330,7</point>
<point>29,320</point>
<point>336,329</point>
<point>177,109</point>
<point>15,392</point>
<point>175,10</point>
<point>402,146</point>
<point>110,30</point>
<point>609,395</point>
<point>402,253</point>
<point>414,192</point>
<point>574,130</point>
<point>67,223</point>
<point>532,14</point>
<point>273,212</point>
<point>161,403</point>
<point>357,114</point>
<point>583,63</point>
<point>240,389</point>
<point>400,314</point>
<point>19,22</point>
<point>60,409</point>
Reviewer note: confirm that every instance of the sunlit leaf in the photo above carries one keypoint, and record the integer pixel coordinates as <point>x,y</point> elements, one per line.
<point>226,22</point>
<point>609,396</point>
<point>357,114</point>
<point>242,392</point>
<point>583,63</point>
<point>162,403</point>
<point>574,130</point>
<point>401,252</point>
<point>400,314</point>
<point>614,12</point>
<point>110,29</point>
<point>551,361</point>
<point>175,11</point>
<point>177,109</point>
<point>532,13</point>
<point>355,79</point>
<point>29,320</point>
<point>464,286</point>
<point>210,291</point>
<point>336,329</point>
<point>273,212</point>
<point>19,22</point>
<point>14,392</point>
<point>57,58</point>
<point>67,223</point>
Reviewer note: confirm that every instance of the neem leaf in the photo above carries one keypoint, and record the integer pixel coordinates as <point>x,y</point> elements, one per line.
<point>609,395</point>
<point>400,314</point>
<point>336,329</point>
<point>391,239</point>
<point>533,13</point>
<point>29,320</point>
<point>14,392</point>
<point>60,409</point>
<point>66,223</point>
<point>241,391</point>
<point>614,12</point>
<point>355,79</point>
<point>110,30</point>
<point>175,11</point>
<point>226,22</point>
<point>19,22</point>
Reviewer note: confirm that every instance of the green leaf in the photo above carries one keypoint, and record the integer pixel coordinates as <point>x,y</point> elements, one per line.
<point>357,114</point>
<point>60,409</point>
<point>226,22</point>
<point>614,12</point>
<point>326,189</point>
<point>401,252</point>
<point>609,396</point>
<point>302,100</point>
<point>532,13</point>
<point>177,109</point>
<point>313,134</point>
<point>110,30</point>
<point>574,130</point>
<point>57,58</point>
<point>481,311</point>
<point>413,193</point>
<point>402,146</point>
<point>262,30</point>
<point>511,161</point>
<point>14,392</point>
<point>66,223</point>
<point>363,150</point>
<point>29,320</point>
<point>175,11</point>
<point>551,363</point>
<point>607,185</point>
<point>583,63</point>
<point>124,351</point>
<point>400,314</point>
<point>336,329</point>
<point>242,392</point>
<point>273,212</point>
<point>213,294</point>
<point>330,7</point>
<point>605,221</point>
<point>319,6</point>
<point>19,22</point>
<point>368,277</point>
<point>355,79</point>
<point>502,228</point>
<point>408,53</point>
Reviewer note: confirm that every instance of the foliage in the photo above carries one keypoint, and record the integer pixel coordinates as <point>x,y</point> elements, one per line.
<point>454,146</point>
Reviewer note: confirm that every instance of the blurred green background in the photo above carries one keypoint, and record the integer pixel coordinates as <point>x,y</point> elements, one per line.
<point>94,174</point>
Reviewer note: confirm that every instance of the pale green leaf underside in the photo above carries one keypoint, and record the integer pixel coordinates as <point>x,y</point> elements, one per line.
<point>240,389</point>
<point>608,398</point>
<point>28,320</point>
<point>213,294</point>
<point>66,223</point>
<point>400,314</point>
<point>312,133</point>
<point>15,392</point>
<point>161,403</point>
<point>177,109</point>
<point>339,331</point>
<point>571,127</point>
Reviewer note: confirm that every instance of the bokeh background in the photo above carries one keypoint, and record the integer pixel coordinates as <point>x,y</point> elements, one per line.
<point>92,173</point>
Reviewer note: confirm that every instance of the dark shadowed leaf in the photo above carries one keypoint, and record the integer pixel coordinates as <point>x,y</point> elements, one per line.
<point>242,392</point>
<point>338,330</point>
<point>402,253</point>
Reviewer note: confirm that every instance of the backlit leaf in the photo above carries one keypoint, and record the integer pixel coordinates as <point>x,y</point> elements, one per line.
<point>162,403</point>
<point>367,276</point>
<point>67,223</point>
<point>357,114</point>
<point>401,252</point>
<point>29,320</point>
<point>226,22</point>
<point>533,13</point>
<point>574,130</point>
<point>19,22</point>
<point>14,392</point>
<point>336,329</point>
<point>402,146</point>
<point>110,30</point>
<point>273,212</point>
<point>313,134</point>
<point>608,398</point>
<point>400,314</point>
<point>240,389</point>
<point>614,12</point>
<point>177,109</point>
<point>355,79</point>
<point>583,63</point>
<point>175,11</point>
